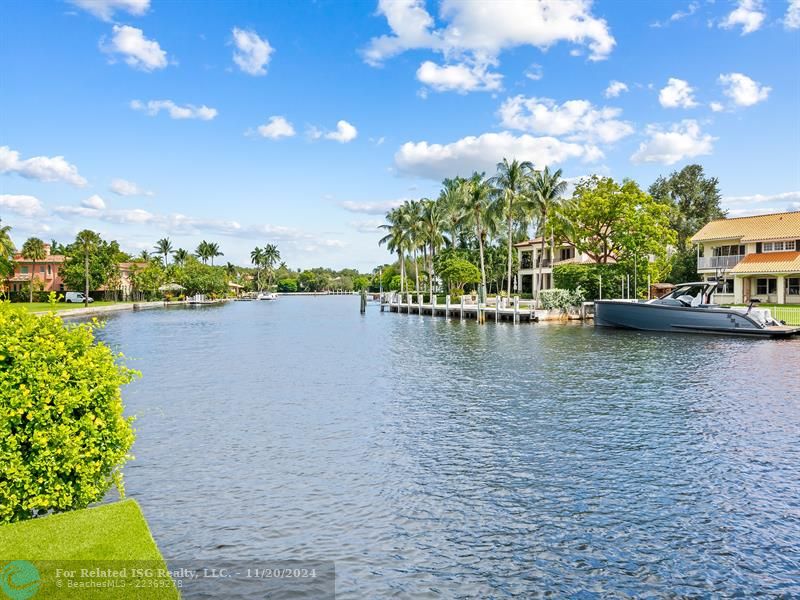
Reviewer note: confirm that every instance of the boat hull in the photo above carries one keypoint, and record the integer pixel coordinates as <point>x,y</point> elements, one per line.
<point>657,317</point>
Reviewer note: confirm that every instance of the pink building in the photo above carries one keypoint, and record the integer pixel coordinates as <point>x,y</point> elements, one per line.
<point>47,271</point>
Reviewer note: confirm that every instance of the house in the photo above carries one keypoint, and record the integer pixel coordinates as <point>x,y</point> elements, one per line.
<point>752,257</point>
<point>47,273</point>
<point>529,261</point>
<point>126,269</point>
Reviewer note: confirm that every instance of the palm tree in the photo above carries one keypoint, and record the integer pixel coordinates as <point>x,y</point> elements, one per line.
<point>411,214</point>
<point>144,255</point>
<point>397,240</point>
<point>179,256</point>
<point>510,182</point>
<point>477,195</point>
<point>271,255</point>
<point>432,223</point>
<point>230,270</point>
<point>163,247</point>
<point>213,252</point>
<point>7,248</point>
<point>33,250</point>
<point>546,188</point>
<point>86,241</point>
<point>257,258</point>
<point>203,252</point>
<point>452,199</point>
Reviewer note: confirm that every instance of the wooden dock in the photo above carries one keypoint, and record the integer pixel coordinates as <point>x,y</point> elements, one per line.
<point>515,311</point>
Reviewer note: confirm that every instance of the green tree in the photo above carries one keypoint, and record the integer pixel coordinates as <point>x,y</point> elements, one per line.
<point>477,214</point>
<point>7,248</point>
<point>546,189</point>
<point>458,272</point>
<point>179,256</point>
<point>213,252</point>
<point>398,239</point>
<point>200,278</point>
<point>33,250</point>
<point>91,262</point>
<point>511,183</point>
<point>63,434</point>
<point>270,257</point>
<point>163,248</point>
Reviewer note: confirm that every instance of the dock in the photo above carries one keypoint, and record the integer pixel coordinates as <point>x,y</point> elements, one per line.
<point>514,310</point>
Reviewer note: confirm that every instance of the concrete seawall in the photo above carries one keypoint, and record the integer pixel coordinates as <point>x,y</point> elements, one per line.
<point>99,310</point>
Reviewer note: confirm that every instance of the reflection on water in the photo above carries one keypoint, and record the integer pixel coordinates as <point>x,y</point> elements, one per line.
<point>433,458</point>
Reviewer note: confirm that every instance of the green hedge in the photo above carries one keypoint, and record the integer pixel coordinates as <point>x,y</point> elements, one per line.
<point>63,436</point>
<point>587,277</point>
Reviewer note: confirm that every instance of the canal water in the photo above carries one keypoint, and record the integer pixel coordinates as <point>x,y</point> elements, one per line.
<point>442,459</point>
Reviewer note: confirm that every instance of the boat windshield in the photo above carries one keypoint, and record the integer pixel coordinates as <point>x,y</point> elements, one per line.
<point>692,290</point>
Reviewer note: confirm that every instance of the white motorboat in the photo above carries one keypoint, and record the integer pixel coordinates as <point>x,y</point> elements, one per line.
<point>267,296</point>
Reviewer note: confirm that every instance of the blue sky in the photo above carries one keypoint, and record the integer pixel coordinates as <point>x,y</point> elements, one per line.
<point>301,123</point>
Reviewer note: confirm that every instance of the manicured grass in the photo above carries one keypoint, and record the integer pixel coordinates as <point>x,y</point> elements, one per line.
<point>99,537</point>
<point>44,306</point>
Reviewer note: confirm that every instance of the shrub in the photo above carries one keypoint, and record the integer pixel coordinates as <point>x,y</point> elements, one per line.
<point>455,294</point>
<point>587,276</point>
<point>63,436</point>
<point>561,299</point>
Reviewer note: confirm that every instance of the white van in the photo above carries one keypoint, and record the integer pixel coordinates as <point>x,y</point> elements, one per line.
<point>77,297</point>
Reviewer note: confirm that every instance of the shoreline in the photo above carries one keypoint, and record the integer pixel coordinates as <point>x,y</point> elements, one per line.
<point>81,312</point>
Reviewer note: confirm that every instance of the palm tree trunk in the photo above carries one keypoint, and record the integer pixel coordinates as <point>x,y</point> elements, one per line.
<point>510,229</point>
<point>86,278</point>
<point>430,272</point>
<point>482,295</point>
<point>33,274</point>
<point>541,257</point>
<point>416,270</point>
<point>402,272</point>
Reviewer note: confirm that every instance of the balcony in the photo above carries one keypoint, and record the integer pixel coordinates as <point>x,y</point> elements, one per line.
<point>718,262</point>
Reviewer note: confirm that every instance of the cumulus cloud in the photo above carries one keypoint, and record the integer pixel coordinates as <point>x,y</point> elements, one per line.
<point>42,168</point>
<point>748,14</point>
<point>371,208</point>
<point>461,78</point>
<point>188,111</point>
<point>790,197</point>
<point>792,18</point>
<point>682,140</point>
<point>135,49</point>
<point>20,204</point>
<point>105,9</point>
<point>577,119</point>
<point>94,201</point>
<point>615,88</point>
<point>367,225</point>
<point>534,72</point>
<point>476,33</point>
<point>123,187</point>
<point>276,128</point>
<point>252,52</point>
<point>344,133</point>
<point>717,106</point>
<point>742,90</point>
<point>481,153</point>
<point>677,94</point>
<point>678,15</point>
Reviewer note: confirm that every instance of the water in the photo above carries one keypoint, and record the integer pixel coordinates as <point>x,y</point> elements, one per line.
<point>443,459</point>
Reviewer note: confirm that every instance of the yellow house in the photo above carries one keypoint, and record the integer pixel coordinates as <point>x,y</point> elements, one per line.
<point>752,257</point>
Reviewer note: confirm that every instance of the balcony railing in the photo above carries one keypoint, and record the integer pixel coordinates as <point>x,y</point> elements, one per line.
<point>718,262</point>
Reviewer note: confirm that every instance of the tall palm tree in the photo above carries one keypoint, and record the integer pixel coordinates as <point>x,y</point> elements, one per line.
<point>179,256</point>
<point>397,239</point>
<point>257,258</point>
<point>7,248</point>
<point>163,247</point>
<point>230,270</point>
<point>144,255</point>
<point>34,251</point>
<point>86,241</point>
<point>477,213</point>
<point>452,200</point>
<point>433,223</point>
<point>411,216</point>
<point>271,256</point>
<point>213,252</point>
<point>546,189</point>
<point>511,183</point>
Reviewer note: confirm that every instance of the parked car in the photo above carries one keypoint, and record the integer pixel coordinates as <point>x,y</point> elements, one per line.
<point>76,297</point>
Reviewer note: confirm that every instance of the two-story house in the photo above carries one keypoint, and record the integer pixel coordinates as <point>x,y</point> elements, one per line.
<point>752,257</point>
<point>530,259</point>
<point>47,272</point>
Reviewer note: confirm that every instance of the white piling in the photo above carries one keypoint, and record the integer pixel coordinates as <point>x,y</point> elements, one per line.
<point>447,306</point>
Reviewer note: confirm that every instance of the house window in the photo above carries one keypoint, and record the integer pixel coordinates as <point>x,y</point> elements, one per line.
<point>566,253</point>
<point>725,286</point>
<point>778,246</point>
<point>41,269</point>
<point>49,269</point>
<point>736,250</point>
<point>766,286</point>
<point>527,260</point>
<point>793,286</point>
<point>23,270</point>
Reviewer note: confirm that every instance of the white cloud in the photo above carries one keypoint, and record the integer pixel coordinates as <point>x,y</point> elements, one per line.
<point>276,128</point>
<point>748,13</point>
<point>23,205</point>
<point>677,94</point>
<point>682,140</point>
<point>615,88</point>
<point>792,18</point>
<point>679,15</point>
<point>460,77</point>
<point>188,111</point>
<point>122,187</point>
<point>483,152</point>
<point>476,33</point>
<point>252,53</point>
<point>762,198</point>
<point>42,168</point>
<point>94,201</point>
<point>105,9</point>
<point>717,106</point>
<point>367,226</point>
<point>534,72</point>
<point>371,208</point>
<point>578,119</point>
<point>742,90</point>
<point>137,51</point>
<point>344,133</point>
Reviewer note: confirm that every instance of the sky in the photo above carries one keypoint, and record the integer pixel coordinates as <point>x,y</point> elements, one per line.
<point>301,123</point>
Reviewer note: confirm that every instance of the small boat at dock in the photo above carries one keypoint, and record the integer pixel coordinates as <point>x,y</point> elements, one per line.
<point>687,310</point>
<point>267,296</point>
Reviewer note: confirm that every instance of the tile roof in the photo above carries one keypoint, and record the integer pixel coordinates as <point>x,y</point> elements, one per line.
<point>50,258</point>
<point>777,226</point>
<point>769,262</point>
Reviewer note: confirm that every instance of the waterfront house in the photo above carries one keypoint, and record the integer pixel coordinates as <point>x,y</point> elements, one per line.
<point>752,257</point>
<point>529,260</point>
<point>46,273</point>
<point>126,270</point>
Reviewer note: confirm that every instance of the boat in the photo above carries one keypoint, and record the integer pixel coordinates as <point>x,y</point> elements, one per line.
<point>267,296</point>
<point>687,309</point>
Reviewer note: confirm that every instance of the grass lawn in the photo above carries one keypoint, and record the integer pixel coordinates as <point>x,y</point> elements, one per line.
<point>111,536</point>
<point>44,306</point>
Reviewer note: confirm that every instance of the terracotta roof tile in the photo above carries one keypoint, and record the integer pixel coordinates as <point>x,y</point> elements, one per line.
<point>769,262</point>
<point>776,226</point>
